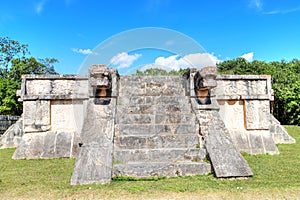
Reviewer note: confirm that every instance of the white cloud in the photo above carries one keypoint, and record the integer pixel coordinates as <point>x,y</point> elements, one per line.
<point>258,4</point>
<point>123,60</point>
<point>262,7</point>
<point>174,62</point>
<point>248,56</point>
<point>84,51</point>
<point>40,6</point>
<point>274,12</point>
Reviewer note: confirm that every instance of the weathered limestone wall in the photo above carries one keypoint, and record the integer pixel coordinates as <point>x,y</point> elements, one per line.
<point>244,103</point>
<point>53,110</point>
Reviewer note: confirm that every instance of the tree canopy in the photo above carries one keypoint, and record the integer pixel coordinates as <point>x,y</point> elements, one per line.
<point>15,60</point>
<point>160,72</point>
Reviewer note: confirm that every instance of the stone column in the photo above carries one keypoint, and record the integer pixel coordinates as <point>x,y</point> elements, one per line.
<point>95,157</point>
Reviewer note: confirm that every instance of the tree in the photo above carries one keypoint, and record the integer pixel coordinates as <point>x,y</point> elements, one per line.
<point>15,61</point>
<point>160,72</point>
<point>30,66</point>
<point>9,104</point>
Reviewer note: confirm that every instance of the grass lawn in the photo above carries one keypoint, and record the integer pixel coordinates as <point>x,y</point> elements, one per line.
<point>275,177</point>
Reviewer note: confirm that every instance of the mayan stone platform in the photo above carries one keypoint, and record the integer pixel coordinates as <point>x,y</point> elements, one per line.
<point>148,126</point>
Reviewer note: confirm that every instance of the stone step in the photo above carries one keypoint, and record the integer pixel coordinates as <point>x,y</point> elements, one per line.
<point>156,129</point>
<point>155,109</point>
<point>157,141</point>
<point>168,169</point>
<point>124,101</point>
<point>150,86</point>
<point>158,155</point>
<point>159,118</point>
<point>135,118</point>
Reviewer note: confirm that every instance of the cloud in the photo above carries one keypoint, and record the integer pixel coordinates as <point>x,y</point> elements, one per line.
<point>274,12</point>
<point>248,56</point>
<point>257,4</point>
<point>176,62</point>
<point>40,6</point>
<point>123,60</point>
<point>84,51</point>
<point>261,7</point>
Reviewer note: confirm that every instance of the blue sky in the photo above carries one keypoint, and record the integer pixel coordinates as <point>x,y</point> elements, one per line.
<point>70,30</point>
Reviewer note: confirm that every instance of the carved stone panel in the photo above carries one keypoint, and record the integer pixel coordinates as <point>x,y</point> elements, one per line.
<point>232,113</point>
<point>67,115</point>
<point>237,89</point>
<point>257,114</point>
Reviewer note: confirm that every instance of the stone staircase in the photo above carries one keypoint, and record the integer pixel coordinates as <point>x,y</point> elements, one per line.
<point>156,131</point>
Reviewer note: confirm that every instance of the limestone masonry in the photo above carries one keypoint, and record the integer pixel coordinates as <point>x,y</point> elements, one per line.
<point>148,126</point>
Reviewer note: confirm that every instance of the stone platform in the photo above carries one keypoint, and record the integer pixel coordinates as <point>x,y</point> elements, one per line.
<point>148,126</point>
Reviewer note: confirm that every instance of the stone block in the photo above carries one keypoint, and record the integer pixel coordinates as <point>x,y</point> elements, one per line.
<point>187,129</point>
<point>241,86</point>
<point>159,155</point>
<point>68,115</point>
<point>136,119</point>
<point>136,109</point>
<point>232,113</point>
<point>225,158</point>
<point>134,129</point>
<point>31,146</point>
<point>279,133</point>
<point>257,114</point>
<point>63,144</point>
<point>269,144</point>
<point>173,108</point>
<point>49,145</point>
<point>38,87</point>
<point>93,165</point>
<point>29,110</point>
<point>240,140</point>
<point>132,88</point>
<point>175,118</point>
<point>42,115</point>
<point>164,129</point>
<point>168,169</point>
<point>157,141</point>
<point>256,142</point>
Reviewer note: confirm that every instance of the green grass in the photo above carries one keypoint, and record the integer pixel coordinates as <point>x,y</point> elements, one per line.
<point>275,176</point>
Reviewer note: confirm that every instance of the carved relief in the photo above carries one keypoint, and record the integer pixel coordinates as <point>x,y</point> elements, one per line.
<point>204,81</point>
<point>100,84</point>
<point>257,114</point>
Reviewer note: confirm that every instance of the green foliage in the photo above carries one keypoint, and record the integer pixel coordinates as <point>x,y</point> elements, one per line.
<point>160,72</point>
<point>30,66</point>
<point>14,62</point>
<point>10,49</point>
<point>8,101</point>
<point>285,83</point>
<point>50,179</point>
